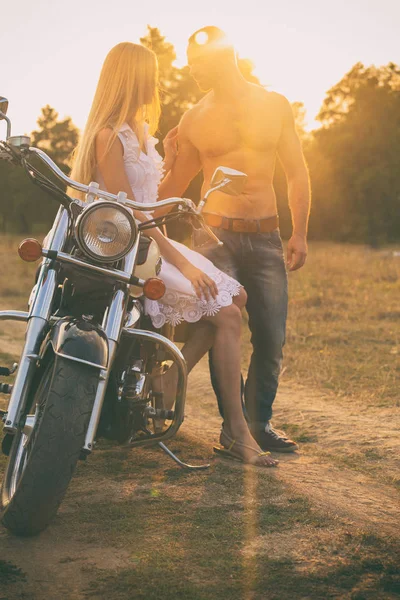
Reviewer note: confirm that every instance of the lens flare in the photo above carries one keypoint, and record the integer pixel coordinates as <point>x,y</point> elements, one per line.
<point>201,38</point>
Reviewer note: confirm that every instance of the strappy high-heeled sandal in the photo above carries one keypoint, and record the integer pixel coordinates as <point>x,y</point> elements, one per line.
<point>227,449</point>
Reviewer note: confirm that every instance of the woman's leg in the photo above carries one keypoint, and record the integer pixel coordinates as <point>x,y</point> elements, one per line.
<point>199,342</point>
<point>240,300</point>
<point>224,336</point>
<point>227,358</point>
<point>202,335</point>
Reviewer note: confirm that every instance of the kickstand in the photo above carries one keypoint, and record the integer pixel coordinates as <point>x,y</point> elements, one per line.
<point>179,462</point>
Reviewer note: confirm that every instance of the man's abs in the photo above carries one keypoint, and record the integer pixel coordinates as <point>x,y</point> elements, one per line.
<point>258,198</point>
<point>243,135</point>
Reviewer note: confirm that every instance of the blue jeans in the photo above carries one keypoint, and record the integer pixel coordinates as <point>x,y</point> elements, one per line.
<point>256,260</point>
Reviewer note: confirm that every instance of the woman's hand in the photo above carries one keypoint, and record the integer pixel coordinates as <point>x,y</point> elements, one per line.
<point>202,283</point>
<point>170,144</point>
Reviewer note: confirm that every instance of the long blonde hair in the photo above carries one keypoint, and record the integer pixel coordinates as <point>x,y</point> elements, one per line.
<point>127,92</point>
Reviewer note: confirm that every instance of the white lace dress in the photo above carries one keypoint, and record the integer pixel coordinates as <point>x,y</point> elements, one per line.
<point>180,303</point>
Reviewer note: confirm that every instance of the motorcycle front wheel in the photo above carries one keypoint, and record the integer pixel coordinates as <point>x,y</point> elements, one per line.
<point>46,449</point>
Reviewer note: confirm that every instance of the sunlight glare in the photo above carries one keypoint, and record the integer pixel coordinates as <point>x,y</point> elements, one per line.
<point>201,38</point>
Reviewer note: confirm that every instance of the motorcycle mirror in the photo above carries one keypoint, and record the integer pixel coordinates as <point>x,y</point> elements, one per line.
<point>227,180</point>
<point>3,112</point>
<point>3,106</point>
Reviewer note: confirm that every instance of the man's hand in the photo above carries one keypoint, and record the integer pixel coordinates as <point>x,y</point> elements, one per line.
<point>291,155</point>
<point>187,160</point>
<point>296,252</point>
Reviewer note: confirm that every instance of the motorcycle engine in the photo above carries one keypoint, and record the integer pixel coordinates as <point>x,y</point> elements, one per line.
<point>125,401</point>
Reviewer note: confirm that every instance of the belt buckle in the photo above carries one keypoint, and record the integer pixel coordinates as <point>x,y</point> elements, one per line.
<point>248,226</point>
<point>235,225</point>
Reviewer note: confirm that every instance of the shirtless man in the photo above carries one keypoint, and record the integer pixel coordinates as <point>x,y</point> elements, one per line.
<point>242,126</point>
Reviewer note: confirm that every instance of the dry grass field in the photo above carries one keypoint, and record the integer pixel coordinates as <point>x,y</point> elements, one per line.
<point>344,326</point>
<point>324,525</point>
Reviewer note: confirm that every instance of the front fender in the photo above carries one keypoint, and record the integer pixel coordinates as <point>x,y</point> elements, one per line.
<point>79,340</point>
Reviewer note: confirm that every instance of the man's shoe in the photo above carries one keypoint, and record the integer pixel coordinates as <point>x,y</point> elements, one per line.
<point>270,439</point>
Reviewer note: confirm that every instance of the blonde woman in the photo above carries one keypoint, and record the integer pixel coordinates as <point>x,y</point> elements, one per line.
<point>117,149</point>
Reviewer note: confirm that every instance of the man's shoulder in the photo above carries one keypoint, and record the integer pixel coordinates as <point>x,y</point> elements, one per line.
<point>197,108</point>
<point>270,97</point>
<point>279,99</point>
<point>191,115</point>
<point>271,104</point>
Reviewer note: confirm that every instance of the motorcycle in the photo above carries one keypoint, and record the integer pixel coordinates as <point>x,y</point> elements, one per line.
<point>89,355</point>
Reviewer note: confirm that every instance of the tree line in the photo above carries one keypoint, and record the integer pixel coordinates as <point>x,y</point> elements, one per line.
<point>353,157</point>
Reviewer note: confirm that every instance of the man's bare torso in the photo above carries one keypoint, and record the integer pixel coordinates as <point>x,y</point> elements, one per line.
<point>243,134</point>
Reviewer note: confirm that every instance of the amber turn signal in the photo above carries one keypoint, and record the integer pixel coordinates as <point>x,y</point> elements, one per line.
<point>30,250</point>
<point>154,288</point>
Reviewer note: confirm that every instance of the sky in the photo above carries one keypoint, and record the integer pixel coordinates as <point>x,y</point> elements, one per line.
<point>52,51</point>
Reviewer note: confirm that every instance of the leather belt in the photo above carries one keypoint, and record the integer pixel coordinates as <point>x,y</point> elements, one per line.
<point>242,225</point>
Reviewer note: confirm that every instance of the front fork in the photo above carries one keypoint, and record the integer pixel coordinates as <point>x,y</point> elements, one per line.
<point>112,324</point>
<point>38,320</point>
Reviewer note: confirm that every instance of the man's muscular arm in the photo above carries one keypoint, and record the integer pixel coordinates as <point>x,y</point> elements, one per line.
<point>186,166</point>
<point>291,155</point>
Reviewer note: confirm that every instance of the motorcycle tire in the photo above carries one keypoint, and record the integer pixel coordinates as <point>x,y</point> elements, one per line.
<point>43,457</point>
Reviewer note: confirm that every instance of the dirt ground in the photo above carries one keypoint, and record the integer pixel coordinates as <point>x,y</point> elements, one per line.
<point>340,430</point>
<point>323,525</point>
<point>58,564</point>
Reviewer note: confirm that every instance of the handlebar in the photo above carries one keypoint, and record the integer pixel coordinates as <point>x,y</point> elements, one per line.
<point>81,187</point>
<point>94,190</point>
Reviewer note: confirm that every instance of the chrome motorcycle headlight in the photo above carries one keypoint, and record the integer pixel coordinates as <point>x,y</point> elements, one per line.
<point>106,231</point>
